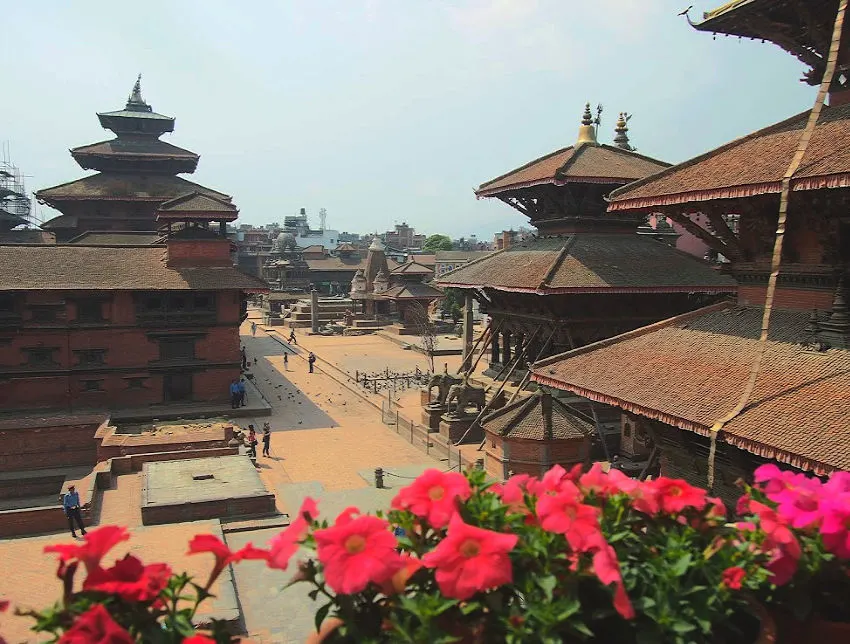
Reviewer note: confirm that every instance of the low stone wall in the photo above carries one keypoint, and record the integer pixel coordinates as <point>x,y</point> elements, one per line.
<point>218,509</point>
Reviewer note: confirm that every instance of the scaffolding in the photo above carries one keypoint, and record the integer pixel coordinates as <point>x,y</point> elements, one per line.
<point>15,205</point>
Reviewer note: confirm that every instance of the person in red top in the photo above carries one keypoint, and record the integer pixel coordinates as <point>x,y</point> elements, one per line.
<point>252,441</point>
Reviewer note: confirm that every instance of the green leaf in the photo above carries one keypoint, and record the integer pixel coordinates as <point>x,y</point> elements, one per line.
<point>547,584</point>
<point>321,614</point>
<point>681,566</point>
<point>683,627</point>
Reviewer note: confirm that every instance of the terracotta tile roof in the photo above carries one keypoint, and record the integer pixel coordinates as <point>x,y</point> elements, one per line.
<point>345,247</point>
<point>538,417</point>
<point>196,204</point>
<point>588,163</point>
<point>124,187</point>
<point>126,238</point>
<point>412,267</point>
<point>459,255</point>
<point>412,291</point>
<point>590,262</point>
<point>690,371</point>
<point>313,248</point>
<point>752,165</point>
<point>426,260</point>
<point>104,268</point>
<point>141,147</point>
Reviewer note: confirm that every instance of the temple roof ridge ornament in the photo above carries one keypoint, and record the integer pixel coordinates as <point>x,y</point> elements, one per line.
<point>135,102</point>
<point>376,244</point>
<point>587,129</point>
<point>621,138</point>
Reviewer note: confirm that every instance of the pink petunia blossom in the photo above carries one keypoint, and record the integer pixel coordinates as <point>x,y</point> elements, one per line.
<point>285,544</point>
<point>607,569</point>
<point>676,495</point>
<point>471,560</point>
<point>733,577</point>
<point>95,545</point>
<point>564,513</point>
<point>835,529</point>
<point>433,496</point>
<point>357,551</point>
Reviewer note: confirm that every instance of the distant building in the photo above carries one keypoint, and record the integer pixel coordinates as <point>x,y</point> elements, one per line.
<point>448,260</point>
<point>403,237</point>
<point>508,238</point>
<point>305,236</point>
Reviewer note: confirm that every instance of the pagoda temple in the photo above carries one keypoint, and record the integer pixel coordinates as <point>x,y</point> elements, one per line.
<point>136,174</point>
<point>683,381</point>
<point>586,275</point>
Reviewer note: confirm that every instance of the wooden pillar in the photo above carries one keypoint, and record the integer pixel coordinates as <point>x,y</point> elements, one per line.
<point>494,349</point>
<point>314,310</point>
<point>467,327</point>
<point>506,347</point>
<point>222,228</point>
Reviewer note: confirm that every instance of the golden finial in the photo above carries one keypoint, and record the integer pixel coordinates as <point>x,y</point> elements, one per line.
<point>586,131</point>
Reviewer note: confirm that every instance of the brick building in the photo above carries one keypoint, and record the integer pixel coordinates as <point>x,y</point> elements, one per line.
<point>104,327</point>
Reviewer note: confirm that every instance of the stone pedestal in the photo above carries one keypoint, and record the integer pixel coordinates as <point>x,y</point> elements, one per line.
<point>454,427</point>
<point>431,415</point>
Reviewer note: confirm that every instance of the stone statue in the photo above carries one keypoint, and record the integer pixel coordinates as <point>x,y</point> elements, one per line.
<point>464,395</point>
<point>444,382</point>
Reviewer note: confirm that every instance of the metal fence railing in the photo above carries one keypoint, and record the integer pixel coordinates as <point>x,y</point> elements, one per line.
<point>420,436</point>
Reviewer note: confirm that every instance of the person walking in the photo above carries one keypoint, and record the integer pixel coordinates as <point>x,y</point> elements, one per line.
<point>292,339</point>
<point>253,329</point>
<point>311,360</point>
<point>71,505</point>
<point>243,394</point>
<point>235,397</point>
<point>252,441</point>
<point>267,437</point>
<point>286,361</point>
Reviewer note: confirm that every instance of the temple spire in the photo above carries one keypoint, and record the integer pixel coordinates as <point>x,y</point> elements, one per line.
<point>621,140</point>
<point>587,130</point>
<point>135,102</point>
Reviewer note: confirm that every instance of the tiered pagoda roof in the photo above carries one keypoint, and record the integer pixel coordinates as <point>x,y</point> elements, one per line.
<point>689,371</point>
<point>412,268</point>
<point>590,263</point>
<point>539,417</point>
<point>197,206</point>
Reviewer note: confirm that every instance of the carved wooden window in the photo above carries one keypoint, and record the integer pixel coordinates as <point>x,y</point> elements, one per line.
<point>44,314</point>
<point>90,311</point>
<point>136,383</point>
<point>92,385</point>
<point>91,357</point>
<point>627,430</point>
<point>41,356</point>
<point>176,349</point>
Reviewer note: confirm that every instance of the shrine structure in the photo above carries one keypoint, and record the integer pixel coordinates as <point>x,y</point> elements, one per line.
<point>683,382</point>
<point>585,275</point>
<point>136,174</point>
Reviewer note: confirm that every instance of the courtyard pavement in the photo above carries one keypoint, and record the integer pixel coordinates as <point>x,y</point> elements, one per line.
<point>326,443</point>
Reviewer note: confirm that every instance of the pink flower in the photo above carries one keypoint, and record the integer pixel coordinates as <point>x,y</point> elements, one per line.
<point>604,484</point>
<point>732,577</point>
<point>284,545</point>
<point>835,528</point>
<point>198,639</point>
<point>130,579</point>
<point>776,529</point>
<point>471,560</point>
<point>95,545</point>
<point>224,556</point>
<point>607,569</point>
<point>781,567</point>
<point>553,480</point>
<point>356,551</point>
<point>565,514</point>
<point>838,483</point>
<point>433,496</point>
<point>398,582</point>
<point>96,626</point>
<point>675,495</point>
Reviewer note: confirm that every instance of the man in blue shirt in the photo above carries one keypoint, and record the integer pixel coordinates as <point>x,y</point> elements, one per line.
<point>235,397</point>
<point>71,505</point>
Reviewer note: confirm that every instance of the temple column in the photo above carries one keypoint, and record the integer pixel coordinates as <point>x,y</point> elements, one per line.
<point>494,349</point>
<point>506,347</point>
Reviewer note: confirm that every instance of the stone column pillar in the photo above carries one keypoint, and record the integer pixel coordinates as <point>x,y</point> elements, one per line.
<point>467,328</point>
<point>314,310</point>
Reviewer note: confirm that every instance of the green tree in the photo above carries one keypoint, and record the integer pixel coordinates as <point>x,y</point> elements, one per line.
<point>438,242</point>
<point>452,304</point>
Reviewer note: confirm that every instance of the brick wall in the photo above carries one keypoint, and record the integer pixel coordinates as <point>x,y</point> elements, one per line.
<point>787,298</point>
<point>130,353</point>
<point>199,252</point>
<point>30,448</point>
<point>14,523</point>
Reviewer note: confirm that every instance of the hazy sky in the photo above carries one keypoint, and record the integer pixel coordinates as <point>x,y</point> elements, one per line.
<point>380,111</point>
